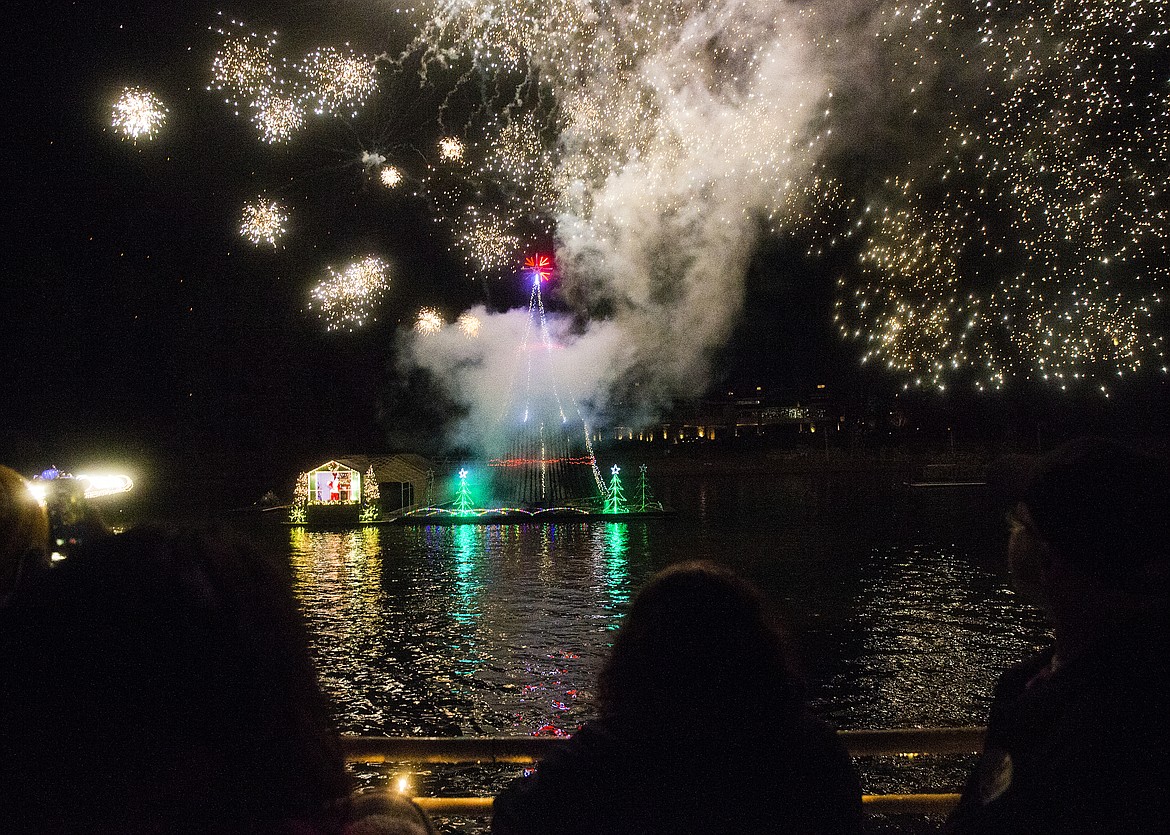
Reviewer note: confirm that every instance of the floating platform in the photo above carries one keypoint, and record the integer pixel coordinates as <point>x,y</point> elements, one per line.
<point>522,516</point>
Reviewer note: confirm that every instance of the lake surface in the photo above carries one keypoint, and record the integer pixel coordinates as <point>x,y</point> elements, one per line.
<point>896,598</point>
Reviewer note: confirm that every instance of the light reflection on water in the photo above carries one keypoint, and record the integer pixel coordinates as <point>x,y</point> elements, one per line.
<point>932,632</point>
<point>463,629</point>
<point>502,629</point>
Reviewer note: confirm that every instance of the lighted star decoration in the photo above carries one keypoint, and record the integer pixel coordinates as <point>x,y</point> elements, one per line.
<point>539,267</point>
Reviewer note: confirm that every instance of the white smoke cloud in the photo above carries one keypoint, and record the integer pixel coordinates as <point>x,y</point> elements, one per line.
<point>664,181</point>
<point>490,373</point>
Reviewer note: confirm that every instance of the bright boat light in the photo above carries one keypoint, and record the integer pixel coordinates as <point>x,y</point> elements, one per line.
<point>105,484</point>
<point>39,491</point>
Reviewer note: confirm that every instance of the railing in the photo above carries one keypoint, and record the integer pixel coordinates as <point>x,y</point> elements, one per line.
<point>528,749</point>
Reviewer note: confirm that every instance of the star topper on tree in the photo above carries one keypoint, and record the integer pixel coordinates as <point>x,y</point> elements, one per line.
<point>539,267</point>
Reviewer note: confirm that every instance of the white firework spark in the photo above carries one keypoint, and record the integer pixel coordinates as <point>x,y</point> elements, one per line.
<point>486,240</point>
<point>338,80</point>
<point>263,221</point>
<point>346,298</point>
<point>428,322</point>
<point>469,325</point>
<point>244,65</point>
<point>138,113</point>
<point>278,117</point>
<point>1034,242</point>
<point>390,176</point>
<point>451,149</point>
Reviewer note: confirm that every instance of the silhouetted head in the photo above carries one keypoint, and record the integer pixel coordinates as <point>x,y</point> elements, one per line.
<point>699,650</point>
<point>162,682</point>
<point>388,813</point>
<point>24,529</point>
<point>1100,505</point>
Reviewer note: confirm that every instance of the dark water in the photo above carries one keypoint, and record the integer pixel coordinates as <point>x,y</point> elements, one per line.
<point>896,598</point>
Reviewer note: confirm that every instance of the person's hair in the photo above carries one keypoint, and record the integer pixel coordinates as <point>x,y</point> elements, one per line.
<point>387,813</point>
<point>699,649</point>
<point>1103,505</point>
<point>163,682</point>
<point>24,528</point>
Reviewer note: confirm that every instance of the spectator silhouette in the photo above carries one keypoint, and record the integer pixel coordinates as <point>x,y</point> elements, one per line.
<point>24,531</point>
<point>1077,735</point>
<point>703,728</point>
<point>160,682</point>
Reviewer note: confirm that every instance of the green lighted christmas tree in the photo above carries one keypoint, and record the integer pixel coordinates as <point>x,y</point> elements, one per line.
<point>645,498</point>
<point>370,496</point>
<point>300,502</point>
<point>463,497</point>
<point>615,499</point>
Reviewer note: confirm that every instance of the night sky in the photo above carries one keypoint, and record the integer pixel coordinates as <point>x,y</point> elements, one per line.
<point>147,326</point>
<point>141,329</point>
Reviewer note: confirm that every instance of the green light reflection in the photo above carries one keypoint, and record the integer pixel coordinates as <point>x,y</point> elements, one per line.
<point>468,545</point>
<point>615,555</point>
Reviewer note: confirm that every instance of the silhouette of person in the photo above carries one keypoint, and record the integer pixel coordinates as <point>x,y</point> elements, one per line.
<point>24,531</point>
<point>1077,735</point>
<point>161,682</point>
<point>703,727</point>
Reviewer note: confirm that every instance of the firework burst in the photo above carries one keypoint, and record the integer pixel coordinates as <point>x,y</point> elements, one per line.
<point>338,80</point>
<point>486,241</point>
<point>346,298</point>
<point>263,221</point>
<point>138,113</point>
<point>468,324</point>
<point>243,66</point>
<point>278,117</point>
<point>428,322</point>
<point>1033,243</point>
<point>451,149</point>
<point>390,176</point>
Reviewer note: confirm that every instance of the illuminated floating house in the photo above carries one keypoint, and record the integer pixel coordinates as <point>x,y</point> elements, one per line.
<point>360,489</point>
